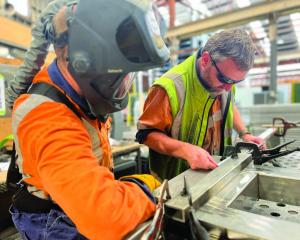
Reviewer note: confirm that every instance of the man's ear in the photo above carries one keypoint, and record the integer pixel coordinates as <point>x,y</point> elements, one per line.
<point>62,53</point>
<point>205,59</point>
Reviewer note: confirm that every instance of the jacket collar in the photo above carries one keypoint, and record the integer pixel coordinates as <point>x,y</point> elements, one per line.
<point>57,78</point>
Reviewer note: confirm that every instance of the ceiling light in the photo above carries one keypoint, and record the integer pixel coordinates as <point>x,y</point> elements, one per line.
<point>243,3</point>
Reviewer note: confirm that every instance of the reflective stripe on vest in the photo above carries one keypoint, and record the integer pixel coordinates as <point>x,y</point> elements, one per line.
<point>216,117</point>
<point>197,120</point>
<point>178,81</point>
<point>227,132</point>
<point>33,101</point>
<point>97,151</point>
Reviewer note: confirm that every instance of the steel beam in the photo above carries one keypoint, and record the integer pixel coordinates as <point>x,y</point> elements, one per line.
<point>235,18</point>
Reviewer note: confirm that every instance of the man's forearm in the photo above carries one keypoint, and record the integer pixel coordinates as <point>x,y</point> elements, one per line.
<point>238,123</point>
<point>162,143</point>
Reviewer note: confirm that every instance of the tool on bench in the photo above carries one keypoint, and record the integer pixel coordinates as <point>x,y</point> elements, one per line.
<point>262,156</point>
<point>283,125</point>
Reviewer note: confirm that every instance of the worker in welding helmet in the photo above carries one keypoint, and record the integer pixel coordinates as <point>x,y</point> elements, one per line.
<point>61,124</point>
<point>104,62</point>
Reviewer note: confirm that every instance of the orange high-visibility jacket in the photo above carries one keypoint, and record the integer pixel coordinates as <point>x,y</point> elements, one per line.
<point>69,159</point>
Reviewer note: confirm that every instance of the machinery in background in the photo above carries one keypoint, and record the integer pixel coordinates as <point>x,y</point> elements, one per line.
<point>118,126</point>
<point>264,97</point>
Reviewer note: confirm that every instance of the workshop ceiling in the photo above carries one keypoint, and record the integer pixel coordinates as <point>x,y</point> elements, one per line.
<point>288,27</point>
<point>186,11</point>
<point>190,11</point>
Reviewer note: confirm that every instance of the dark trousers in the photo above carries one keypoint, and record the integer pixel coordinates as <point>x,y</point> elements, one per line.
<point>54,225</point>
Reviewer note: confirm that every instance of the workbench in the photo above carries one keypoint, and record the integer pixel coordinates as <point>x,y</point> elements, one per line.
<point>125,149</point>
<point>249,196</point>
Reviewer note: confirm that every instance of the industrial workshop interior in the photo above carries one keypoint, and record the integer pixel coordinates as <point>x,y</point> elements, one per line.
<point>149,119</point>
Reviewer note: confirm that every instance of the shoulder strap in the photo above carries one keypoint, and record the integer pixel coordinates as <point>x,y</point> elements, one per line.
<point>45,89</point>
<point>53,93</point>
<point>13,175</point>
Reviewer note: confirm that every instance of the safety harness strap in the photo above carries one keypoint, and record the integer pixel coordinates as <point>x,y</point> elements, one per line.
<point>53,93</point>
<point>22,199</point>
<point>13,174</point>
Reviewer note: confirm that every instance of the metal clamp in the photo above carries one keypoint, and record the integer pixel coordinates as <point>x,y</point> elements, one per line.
<point>262,156</point>
<point>284,125</point>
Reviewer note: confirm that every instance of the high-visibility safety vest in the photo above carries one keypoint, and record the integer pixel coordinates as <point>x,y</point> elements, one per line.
<point>190,105</point>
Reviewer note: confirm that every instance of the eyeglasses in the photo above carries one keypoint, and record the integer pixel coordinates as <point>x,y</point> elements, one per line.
<point>221,77</point>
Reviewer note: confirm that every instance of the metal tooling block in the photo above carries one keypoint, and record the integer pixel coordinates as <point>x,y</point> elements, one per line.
<point>249,201</point>
<point>258,201</point>
<point>203,185</point>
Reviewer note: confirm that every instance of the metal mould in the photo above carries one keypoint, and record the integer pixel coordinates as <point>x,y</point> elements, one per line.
<point>272,197</point>
<point>260,202</point>
<point>202,186</point>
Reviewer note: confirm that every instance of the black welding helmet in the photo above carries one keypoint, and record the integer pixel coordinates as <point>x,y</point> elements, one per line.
<point>109,41</point>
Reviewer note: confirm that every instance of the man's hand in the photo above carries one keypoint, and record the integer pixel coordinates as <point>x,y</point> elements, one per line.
<point>146,182</point>
<point>198,158</point>
<point>254,139</point>
<point>150,181</point>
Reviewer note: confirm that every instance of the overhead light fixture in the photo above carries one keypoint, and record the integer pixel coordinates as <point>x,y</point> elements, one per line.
<point>260,33</point>
<point>258,29</point>
<point>295,17</point>
<point>243,3</point>
<point>200,7</point>
<point>280,41</point>
<point>21,6</point>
